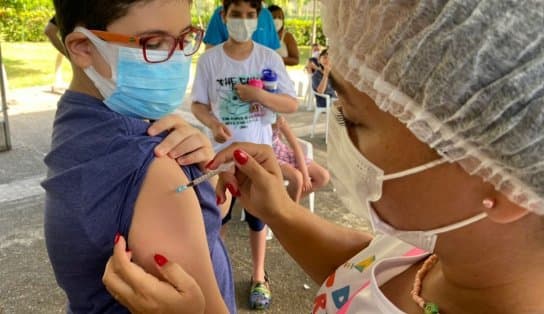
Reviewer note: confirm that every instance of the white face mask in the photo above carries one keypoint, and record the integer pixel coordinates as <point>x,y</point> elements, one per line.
<point>359,182</point>
<point>278,23</point>
<point>241,30</point>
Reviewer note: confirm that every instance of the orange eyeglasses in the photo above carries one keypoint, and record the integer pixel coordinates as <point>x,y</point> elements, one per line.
<point>189,41</point>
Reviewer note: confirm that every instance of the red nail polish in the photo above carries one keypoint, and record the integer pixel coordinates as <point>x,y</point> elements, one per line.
<point>240,156</point>
<point>116,239</point>
<point>233,190</point>
<point>160,260</point>
<point>207,166</point>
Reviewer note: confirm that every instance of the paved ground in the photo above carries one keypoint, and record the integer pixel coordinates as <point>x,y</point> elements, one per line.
<point>27,284</point>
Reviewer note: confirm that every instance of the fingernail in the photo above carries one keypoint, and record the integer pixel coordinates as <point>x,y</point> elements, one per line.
<point>240,156</point>
<point>233,190</point>
<point>116,239</point>
<point>151,131</point>
<point>160,260</point>
<point>207,166</point>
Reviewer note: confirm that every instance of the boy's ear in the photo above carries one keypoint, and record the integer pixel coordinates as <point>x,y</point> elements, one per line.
<point>79,48</point>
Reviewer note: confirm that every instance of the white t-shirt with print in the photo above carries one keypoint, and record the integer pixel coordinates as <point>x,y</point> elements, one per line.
<point>355,286</point>
<point>215,78</point>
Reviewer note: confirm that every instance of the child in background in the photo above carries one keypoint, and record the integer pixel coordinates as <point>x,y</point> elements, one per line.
<point>304,175</point>
<point>234,111</point>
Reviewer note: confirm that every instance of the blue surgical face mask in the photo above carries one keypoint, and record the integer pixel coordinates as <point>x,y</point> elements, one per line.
<point>139,89</point>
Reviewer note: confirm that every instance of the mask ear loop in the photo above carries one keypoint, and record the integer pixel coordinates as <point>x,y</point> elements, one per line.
<point>108,51</point>
<point>410,171</point>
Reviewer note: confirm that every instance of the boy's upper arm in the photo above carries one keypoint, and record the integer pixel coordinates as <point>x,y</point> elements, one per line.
<point>285,85</point>
<point>170,224</point>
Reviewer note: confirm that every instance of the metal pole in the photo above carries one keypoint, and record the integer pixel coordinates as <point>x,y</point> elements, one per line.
<point>4,124</point>
<point>314,23</point>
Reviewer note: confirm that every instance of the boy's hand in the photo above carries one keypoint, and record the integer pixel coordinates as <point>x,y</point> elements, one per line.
<point>221,133</point>
<point>185,143</point>
<point>142,292</point>
<point>248,93</point>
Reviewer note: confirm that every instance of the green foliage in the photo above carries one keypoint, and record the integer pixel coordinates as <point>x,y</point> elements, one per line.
<point>24,20</point>
<point>26,4</point>
<point>302,31</point>
<point>200,21</point>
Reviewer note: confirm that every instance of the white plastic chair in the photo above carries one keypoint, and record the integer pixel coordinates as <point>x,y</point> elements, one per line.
<point>308,151</point>
<point>319,110</point>
<point>309,99</point>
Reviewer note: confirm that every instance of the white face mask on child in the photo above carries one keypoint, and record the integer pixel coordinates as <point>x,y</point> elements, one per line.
<point>278,24</point>
<point>359,182</point>
<point>241,30</point>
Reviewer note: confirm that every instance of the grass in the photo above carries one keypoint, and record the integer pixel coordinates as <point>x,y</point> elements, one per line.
<point>33,64</point>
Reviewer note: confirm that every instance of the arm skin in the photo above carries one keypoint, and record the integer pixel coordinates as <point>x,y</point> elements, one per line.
<point>221,132</point>
<point>322,87</point>
<point>317,245</point>
<point>293,143</point>
<point>171,224</point>
<point>292,50</point>
<point>51,31</point>
<point>204,114</point>
<point>281,103</point>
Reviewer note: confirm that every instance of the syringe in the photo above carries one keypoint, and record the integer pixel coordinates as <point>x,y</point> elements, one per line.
<point>221,168</point>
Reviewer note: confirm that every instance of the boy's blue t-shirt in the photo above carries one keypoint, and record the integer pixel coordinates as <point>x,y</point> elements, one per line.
<point>266,34</point>
<point>96,166</point>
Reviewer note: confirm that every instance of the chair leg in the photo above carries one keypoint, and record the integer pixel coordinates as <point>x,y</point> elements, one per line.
<point>327,125</point>
<point>317,112</point>
<point>311,201</point>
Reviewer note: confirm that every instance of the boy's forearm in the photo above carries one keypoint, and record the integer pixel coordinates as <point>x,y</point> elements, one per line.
<point>282,103</point>
<point>203,113</point>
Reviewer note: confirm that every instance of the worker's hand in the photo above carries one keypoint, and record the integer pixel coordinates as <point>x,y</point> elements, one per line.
<point>184,142</point>
<point>257,181</point>
<point>141,292</point>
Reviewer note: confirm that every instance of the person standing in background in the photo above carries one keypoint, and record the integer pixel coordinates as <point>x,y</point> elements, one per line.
<point>265,34</point>
<point>52,32</point>
<point>234,111</point>
<point>288,45</point>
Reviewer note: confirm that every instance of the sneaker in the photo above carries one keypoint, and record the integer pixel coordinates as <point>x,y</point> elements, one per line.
<point>259,294</point>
